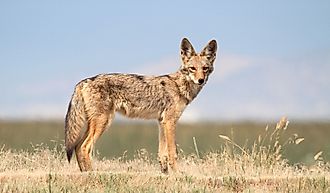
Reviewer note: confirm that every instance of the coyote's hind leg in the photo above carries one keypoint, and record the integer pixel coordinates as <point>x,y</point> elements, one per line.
<point>95,128</point>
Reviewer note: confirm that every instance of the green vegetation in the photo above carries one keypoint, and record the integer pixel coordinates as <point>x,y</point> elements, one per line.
<point>241,159</point>
<point>126,138</point>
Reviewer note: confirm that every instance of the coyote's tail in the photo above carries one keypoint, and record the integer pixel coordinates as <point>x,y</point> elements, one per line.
<point>74,121</point>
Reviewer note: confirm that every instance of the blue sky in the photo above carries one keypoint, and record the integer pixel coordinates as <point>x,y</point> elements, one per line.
<point>273,59</point>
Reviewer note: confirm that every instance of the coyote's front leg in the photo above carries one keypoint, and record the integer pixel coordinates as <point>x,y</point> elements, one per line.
<point>162,149</point>
<point>167,146</point>
<point>171,146</point>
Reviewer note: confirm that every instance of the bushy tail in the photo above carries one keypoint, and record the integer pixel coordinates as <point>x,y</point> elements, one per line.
<point>74,121</point>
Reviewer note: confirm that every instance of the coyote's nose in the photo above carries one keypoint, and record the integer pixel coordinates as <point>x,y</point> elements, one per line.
<point>200,81</point>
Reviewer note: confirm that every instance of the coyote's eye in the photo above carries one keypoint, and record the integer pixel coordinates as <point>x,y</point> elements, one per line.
<point>192,69</point>
<point>205,68</point>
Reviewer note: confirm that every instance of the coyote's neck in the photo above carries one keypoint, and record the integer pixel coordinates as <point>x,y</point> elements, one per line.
<point>187,88</point>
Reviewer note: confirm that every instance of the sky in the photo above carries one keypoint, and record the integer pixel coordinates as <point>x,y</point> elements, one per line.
<point>273,58</point>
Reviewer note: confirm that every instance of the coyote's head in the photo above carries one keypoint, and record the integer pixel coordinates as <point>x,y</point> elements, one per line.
<point>197,66</point>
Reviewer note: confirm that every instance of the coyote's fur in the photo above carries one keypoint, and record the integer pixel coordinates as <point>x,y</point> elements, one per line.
<point>95,101</point>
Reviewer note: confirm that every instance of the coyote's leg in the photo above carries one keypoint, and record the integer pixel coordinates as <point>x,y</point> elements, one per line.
<point>95,128</point>
<point>162,149</point>
<point>171,146</point>
<point>168,127</point>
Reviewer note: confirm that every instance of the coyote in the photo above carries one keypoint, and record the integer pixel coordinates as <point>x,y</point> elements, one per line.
<point>95,101</point>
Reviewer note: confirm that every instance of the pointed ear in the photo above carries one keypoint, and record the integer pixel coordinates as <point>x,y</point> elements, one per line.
<point>187,50</point>
<point>210,50</point>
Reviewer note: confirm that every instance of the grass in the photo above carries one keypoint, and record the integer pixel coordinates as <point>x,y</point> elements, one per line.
<point>260,167</point>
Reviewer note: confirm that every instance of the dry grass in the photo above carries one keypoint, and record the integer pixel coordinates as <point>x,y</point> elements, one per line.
<point>260,168</point>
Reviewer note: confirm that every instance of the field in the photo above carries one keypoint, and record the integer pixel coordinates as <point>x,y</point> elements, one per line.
<point>213,157</point>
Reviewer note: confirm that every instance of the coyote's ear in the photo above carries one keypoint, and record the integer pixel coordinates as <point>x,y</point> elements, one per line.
<point>210,50</point>
<point>187,50</point>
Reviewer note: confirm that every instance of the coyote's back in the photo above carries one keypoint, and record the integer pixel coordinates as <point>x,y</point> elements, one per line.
<point>95,101</point>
